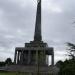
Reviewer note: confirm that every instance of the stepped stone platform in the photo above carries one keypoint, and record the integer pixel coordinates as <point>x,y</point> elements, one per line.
<point>53,70</point>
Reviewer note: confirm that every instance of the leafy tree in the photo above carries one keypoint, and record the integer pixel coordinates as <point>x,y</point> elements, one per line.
<point>59,63</point>
<point>71,50</point>
<point>2,64</point>
<point>68,67</point>
<point>8,61</point>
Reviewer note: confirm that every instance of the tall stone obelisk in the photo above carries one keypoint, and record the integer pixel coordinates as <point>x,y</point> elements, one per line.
<point>31,59</point>
<point>37,35</point>
<point>33,55</point>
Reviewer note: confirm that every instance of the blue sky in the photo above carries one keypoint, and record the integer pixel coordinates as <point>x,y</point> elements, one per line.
<point>17,23</point>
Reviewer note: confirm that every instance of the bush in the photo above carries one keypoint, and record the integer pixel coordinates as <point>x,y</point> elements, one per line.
<point>67,68</point>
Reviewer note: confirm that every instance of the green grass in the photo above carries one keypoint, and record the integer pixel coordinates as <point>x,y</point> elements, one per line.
<point>7,73</point>
<point>13,73</point>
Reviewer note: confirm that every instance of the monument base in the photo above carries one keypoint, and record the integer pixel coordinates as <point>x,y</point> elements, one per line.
<point>33,70</point>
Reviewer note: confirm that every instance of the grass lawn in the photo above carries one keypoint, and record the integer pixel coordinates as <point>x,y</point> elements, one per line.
<point>7,73</point>
<point>13,73</point>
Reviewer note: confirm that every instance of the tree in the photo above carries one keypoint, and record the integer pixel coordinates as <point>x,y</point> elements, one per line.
<point>59,63</point>
<point>67,67</point>
<point>8,61</point>
<point>71,50</point>
<point>2,64</point>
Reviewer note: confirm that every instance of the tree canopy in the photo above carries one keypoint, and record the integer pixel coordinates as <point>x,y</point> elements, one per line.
<point>71,50</point>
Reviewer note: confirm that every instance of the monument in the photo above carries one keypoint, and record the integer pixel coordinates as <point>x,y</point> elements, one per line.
<point>36,51</point>
<point>32,58</point>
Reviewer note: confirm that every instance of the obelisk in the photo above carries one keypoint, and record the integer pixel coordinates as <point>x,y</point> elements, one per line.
<point>37,35</point>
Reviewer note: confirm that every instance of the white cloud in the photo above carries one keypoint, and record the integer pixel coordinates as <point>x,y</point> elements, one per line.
<point>1,12</point>
<point>50,6</point>
<point>9,36</point>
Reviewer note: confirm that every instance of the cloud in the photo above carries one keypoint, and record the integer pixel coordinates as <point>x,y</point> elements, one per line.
<point>51,6</point>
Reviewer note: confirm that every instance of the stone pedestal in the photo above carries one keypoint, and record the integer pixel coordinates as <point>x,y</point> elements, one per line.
<point>33,55</point>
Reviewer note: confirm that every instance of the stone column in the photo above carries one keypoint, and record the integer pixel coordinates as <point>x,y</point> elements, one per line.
<point>21,57</point>
<point>15,56</point>
<point>36,57</point>
<point>29,55</point>
<point>52,58</point>
<point>47,59</point>
<point>37,62</point>
<point>44,57</point>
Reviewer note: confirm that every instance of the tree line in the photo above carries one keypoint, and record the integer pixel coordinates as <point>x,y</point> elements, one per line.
<point>68,66</point>
<point>8,61</point>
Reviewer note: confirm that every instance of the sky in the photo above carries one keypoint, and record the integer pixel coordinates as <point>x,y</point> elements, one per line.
<point>17,23</point>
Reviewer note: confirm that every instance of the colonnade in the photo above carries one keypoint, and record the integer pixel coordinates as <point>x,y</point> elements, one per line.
<point>21,58</point>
